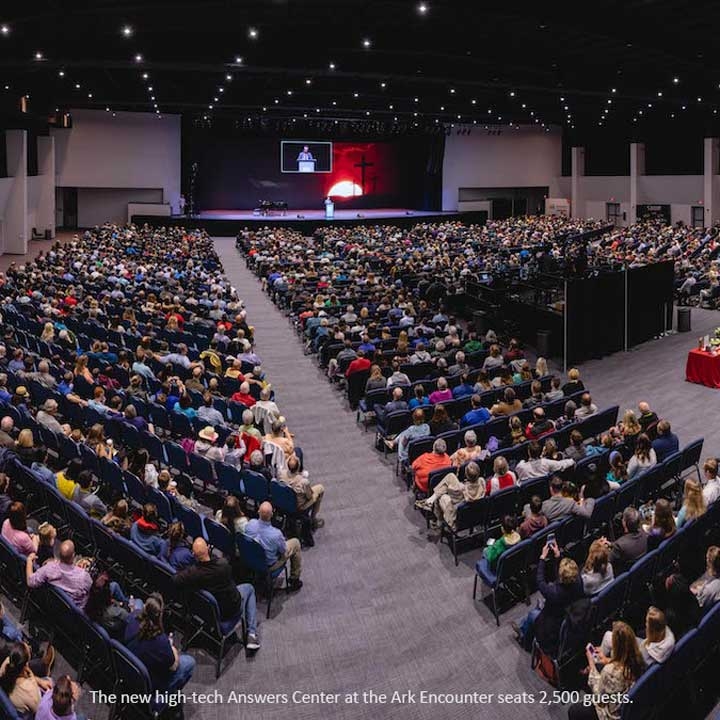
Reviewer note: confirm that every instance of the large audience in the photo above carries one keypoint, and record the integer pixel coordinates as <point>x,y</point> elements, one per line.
<point>472,417</point>
<point>130,385</point>
<point>113,344</point>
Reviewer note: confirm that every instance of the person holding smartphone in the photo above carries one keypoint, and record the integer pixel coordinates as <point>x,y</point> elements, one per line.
<point>544,623</point>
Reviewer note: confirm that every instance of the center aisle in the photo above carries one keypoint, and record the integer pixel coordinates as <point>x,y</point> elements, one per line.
<point>382,608</point>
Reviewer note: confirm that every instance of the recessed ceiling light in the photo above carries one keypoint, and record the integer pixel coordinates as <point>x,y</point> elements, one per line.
<point>38,55</point>
<point>253,33</point>
<point>89,95</point>
<point>61,73</point>
<point>422,8</point>
<point>138,58</point>
<point>332,65</point>
<point>228,77</point>
<point>221,89</point>
<point>238,60</point>
<point>308,81</point>
<point>289,92</point>
<point>150,88</point>
<point>127,31</point>
<point>512,93</point>
<point>210,107</point>
<point>383,84</point>
<point>367,112</point>
<point>334,102</point>
<point>676,80</point>
<point>152,97</point>
<point>416,99</point>
<point>367,43</point>
<point>659,94</point>
<point>5,29</point>
<point>356,95</point>
<point>77,86</point>
<point>215,99</point>
<point>474,102</point>
<point>145,76</point>
<point>699,99</point>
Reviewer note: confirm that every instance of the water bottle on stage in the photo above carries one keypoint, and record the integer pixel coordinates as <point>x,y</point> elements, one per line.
<point>329,208</point>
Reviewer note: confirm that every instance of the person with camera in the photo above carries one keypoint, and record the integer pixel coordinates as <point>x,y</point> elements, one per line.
<point>543,623</point>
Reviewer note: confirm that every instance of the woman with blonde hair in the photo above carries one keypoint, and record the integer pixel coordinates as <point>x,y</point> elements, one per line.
<point>659,638</point>
<point>96,441</point>
<point>494,359</point>
<point>541,368</point>
<point>629,426</point>
<point>82,370</point>
<point>376,381</point>
<point>25,447</point>
<point>693,503</point>
<point>597,572</point>
<point>48,333</point>
<point>617,674</point>
<point>502,476</point>
<point>574,383</point>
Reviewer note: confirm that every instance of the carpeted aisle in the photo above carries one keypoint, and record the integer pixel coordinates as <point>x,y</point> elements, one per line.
<point>383,608</point>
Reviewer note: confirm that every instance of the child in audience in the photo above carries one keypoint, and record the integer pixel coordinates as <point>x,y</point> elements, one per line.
<point>46,548</point>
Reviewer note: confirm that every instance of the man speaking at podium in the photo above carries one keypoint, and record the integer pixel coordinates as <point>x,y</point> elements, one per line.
<point>305,160</point>
<point>305,154</point>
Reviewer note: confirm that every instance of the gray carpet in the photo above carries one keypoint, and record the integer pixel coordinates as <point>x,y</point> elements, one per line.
<point>383,607</point>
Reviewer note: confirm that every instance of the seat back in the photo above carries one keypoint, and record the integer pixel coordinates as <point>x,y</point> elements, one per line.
<point>643,695</point>
<point>191,520</point>
<point>472,514</point>
<point>219,537</point>
<point>609,601</point>
<point>7,709</point>
<point>252,554</point>
<point>228,478</point>
<point>256,486</point>
<point>513,562</point>
<point>283,498</point>
<point>691,454</point>
<point>131,675</point>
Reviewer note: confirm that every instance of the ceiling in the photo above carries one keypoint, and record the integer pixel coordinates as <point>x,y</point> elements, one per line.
<point>617,67</point>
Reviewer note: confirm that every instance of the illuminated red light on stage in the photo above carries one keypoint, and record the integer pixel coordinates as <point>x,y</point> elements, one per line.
<point>346,189</point>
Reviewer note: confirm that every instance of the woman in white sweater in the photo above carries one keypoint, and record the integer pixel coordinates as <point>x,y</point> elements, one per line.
<point>643,458</point>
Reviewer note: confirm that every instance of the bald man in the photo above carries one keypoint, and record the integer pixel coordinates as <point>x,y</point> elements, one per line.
<point>647,417</point>
<point>214,574</point>
<point>62,573</point>
<point>277,549</point>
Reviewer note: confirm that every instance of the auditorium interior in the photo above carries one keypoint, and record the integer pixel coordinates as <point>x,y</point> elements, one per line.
<point>357,360</point>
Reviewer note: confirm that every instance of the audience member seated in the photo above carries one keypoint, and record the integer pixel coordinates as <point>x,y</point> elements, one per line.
<point>64,573</point>
<point>662,525</point>
<point>23,688</point>
<point>471,450</point>
<point>509,537</point>
<point>15,530</point>
<point>46,550</point>
<point>561,502</point>
<point>502,477</point>
<point>647,417</point>
<point>711,491</point>
<point>535,519</point>
<point>449,493</point>
<point>418,429</point>
<point>440,421</point>
<point>543,624</point>
<point>477,413</point>
<point>537,466</point>
<point>277,549</point>
<point>308,496</point>
<point>106,610</point>
<point>539,426</point>
<point>643,458</point>
<point>597,572</point>
<point>232,515</point>
<point>146,638</point>
<point>423,465</point>
<point>396,404</point>
<point>118,518</point>
<point>631,545</point>
<point>178,554</point>
<point>587,407</point>
<point>214,575</point>
<point>509,404</point>
<point>574,384</point>
<point>611,683</point>
<point>666,443</point>
<point>693,505</point>
<point>655,647</point>
<point>85,495</point>
<point>145,532</point>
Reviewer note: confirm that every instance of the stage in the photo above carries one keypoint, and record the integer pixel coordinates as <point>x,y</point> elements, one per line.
<point>230,222</point>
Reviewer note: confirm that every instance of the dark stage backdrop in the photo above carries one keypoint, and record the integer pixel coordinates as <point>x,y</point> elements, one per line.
<point>236,173</point>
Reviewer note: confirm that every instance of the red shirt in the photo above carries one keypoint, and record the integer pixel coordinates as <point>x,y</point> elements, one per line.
<point>246,399</point>
<point>425,464</point>
<point>357,365</point>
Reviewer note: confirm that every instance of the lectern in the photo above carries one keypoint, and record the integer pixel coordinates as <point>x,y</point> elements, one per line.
<point>306,166</point>
<point>329,209</point>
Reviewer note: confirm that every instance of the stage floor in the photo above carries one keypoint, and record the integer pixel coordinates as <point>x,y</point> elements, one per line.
<point>314,214</point>
<point>229,222</point>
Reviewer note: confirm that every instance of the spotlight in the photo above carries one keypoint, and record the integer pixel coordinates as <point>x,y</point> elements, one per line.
<point>127,31</point>
<point>38,55</point>
<point>253,33</point>
<point>145,76</point>
<point>367,43</point>
<point>238,60</point>
<point>61,73</point>
<point>4,29</point>
<point>332,66</point>
<point>422,8</point>
<point>228,77</point>
<point>138,58</point>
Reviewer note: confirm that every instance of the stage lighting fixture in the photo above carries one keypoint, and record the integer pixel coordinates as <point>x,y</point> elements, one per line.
<point>145,76</point>
<point>676,80</point>
<point>38,55</point>
<point>228,77</point>
<point>422,8</point>
<point>253,33</point>
<point>127,31</point>
<point>238,60</point>
<point>367,43</point>
<point>138,58</point>
<point>77,86</point>
<point>5,29</point>
<point>61,73</point>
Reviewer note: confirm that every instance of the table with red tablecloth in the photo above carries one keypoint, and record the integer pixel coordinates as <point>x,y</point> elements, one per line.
<point>703,368</point>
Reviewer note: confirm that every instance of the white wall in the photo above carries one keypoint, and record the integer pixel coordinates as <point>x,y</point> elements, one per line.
<point>131,151</point>
<point>100,205</point>
<point>34,190</point>
<point>529,157</point>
